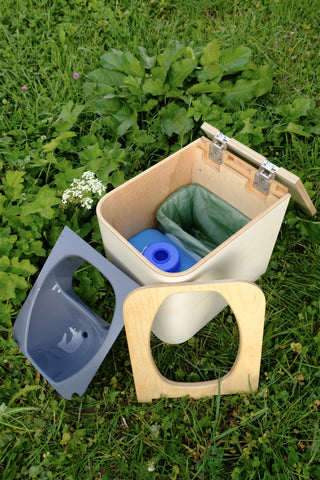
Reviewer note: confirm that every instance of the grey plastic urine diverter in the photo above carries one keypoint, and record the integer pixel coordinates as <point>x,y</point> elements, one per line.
<point>56,330</point>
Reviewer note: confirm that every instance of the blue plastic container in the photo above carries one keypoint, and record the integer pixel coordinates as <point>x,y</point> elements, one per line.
<point>162,251</point>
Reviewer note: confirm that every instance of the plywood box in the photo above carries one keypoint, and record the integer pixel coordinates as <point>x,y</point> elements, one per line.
<point>245,183</point>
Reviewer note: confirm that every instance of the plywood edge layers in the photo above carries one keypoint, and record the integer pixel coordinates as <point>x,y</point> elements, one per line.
<point>233,181</point>
<point>138,199</point>
<point>285,177</point>
<point>132,207</point>
<point>248,304</point>
<point>107,229</point>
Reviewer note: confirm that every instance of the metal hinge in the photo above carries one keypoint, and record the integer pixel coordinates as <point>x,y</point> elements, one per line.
<point>217,146</point>
<point>262,178</point>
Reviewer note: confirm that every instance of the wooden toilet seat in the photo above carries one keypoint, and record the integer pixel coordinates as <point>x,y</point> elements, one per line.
<point>248,304</point>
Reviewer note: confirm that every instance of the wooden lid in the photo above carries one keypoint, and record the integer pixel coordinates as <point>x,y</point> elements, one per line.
<point>291,181</point>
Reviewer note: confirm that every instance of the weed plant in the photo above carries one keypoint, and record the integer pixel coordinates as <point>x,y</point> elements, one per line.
<point>112,88</point>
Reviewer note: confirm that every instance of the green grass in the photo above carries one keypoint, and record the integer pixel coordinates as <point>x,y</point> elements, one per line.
<point>106,434</point>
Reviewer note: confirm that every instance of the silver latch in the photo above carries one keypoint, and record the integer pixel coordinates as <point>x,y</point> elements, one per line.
<point>262,178</point>
<point>217,146</point>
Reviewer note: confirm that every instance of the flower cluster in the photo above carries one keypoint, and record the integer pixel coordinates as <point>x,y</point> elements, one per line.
<point>81,190</point>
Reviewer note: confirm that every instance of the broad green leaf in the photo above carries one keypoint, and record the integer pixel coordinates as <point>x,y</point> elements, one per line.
<point>13,184</point>
<point>131,65</point>
<point>263,77</point>
<point>9,284</point>
<point>174,119</point>
<point>149,105</point>
<point>106,168</point>
<point>117,178</point>
<point>6,312</point>
<point>33,247</point>
<point>171,53</point>
<point>7,240</point>
<point>69,115</point>
<point>211,53</point>
<point>180,70</point>
<point>112,60</point>
<point>42,203</point>
<point>90,154</point>
<point>300,107</point>
<point>263,85</point>
<point>125,62</point>
<point>218,118</point>
<point>115,153</point>
<point>247,114</point>
<point>133,84</point>
<point>12,214</point>
<point>148,62</point>
<point>126,125</point>
<point>297,129</point>
<point>159,73</point>
<point>242,91</point>
<point>204,87</point>
<point>175,47</point>
<point>235,59</point>
<point>251,84</point>
<point>250,133</point>
<point>98,90</point>
<point>313,129</point>
<point>4,263</point>
<point>310,230</point>
<point>126,117</point>
<point>189,53</point>
<point>140,138</point>
<point>210,72</point>
<point>154,87</point>
<point>110,123</point>
<point>28,245</point>
<point>22,267</point>
<point>67,174</point>
<point>2,202</point>
<point>86,140</point>
<point>178,93</point>
<point>51,146</point>
<point>200,107</point>
<point>124,112</point>
<point>109,77</point>
<point>104,105</point>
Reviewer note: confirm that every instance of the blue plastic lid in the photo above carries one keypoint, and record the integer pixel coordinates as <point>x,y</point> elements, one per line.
<point>163,255</point>
<point>146,237</point>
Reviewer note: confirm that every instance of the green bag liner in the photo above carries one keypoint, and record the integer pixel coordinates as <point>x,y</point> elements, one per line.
<point>199,219</point>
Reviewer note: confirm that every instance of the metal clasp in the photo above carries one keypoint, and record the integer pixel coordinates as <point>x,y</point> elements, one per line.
<point>262,179</point>
<point>217,146</point>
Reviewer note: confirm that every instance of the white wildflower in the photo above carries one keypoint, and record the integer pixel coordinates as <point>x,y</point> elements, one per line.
<point>88,175</point>
<point>86,203</point>
<point>151,466</point>
<point>82,189</point>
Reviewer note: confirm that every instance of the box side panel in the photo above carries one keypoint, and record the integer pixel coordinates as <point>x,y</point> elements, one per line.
<point>132,207</point>
<point>244,256</point>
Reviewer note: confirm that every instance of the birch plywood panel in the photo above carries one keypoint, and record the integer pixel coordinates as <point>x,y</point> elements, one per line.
<point>286,178</point>
<point>248,304</point>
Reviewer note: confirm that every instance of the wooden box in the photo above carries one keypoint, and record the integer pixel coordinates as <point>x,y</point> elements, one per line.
<point>237,174</point>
